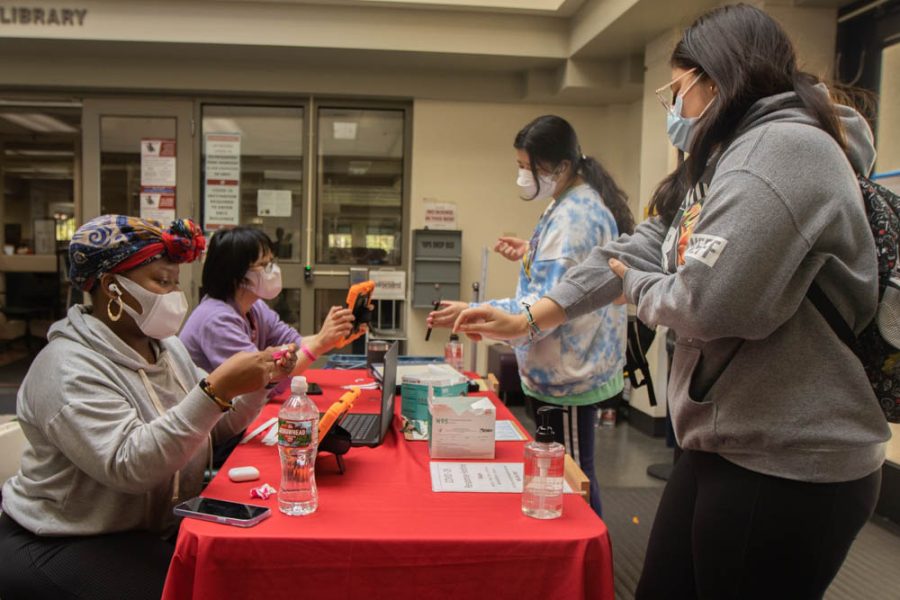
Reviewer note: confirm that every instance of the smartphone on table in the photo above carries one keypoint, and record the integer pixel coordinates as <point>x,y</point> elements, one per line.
<point>223,511</point>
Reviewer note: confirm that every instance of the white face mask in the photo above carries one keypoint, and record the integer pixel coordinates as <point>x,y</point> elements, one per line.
<point>161,314</point>
<point>265,283</point>
<point>530,190</point>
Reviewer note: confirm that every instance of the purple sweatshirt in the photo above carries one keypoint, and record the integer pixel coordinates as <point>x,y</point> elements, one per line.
<point>216,330</point>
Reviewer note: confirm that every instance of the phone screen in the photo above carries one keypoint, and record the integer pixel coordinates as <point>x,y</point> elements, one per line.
<point>361,311</point>
<point>223,508</point>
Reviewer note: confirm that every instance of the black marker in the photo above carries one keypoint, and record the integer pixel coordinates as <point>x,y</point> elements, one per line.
<point>436,304</point>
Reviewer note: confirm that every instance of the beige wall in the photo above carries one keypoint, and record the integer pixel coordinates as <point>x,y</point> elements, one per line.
<point>889,111</point>
<point>462,153</point>
<point>889,153</point>
<point>813,31</point>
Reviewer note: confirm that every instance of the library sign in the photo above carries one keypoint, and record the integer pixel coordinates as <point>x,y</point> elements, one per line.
<point>46,17</point>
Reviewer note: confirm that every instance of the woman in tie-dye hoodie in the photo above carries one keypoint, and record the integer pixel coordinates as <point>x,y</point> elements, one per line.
<point>580,364</point>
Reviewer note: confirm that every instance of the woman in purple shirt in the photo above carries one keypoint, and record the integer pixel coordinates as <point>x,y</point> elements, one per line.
<point>239,275</point>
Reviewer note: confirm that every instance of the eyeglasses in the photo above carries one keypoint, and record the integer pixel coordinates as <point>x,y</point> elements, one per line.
<point>266,268</point>
<point>669,102</point>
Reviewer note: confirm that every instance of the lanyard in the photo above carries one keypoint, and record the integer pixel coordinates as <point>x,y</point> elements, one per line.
<point>535,241</point>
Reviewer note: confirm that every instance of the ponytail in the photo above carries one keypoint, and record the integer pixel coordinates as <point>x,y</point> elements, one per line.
<point>612,195</point>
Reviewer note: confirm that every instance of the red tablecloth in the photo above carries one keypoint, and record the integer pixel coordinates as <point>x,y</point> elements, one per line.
<point>380,532</point>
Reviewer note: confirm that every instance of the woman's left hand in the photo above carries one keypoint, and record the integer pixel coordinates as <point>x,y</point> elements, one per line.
<point>619,268</point>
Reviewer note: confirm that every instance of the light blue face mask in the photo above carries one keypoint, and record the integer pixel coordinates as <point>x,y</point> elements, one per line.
<point>678,127</point>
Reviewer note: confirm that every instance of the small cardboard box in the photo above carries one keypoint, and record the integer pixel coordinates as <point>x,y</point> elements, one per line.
<point>462,427</point>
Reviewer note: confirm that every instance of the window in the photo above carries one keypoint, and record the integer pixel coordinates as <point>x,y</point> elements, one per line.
<point>360,186</point>
<point>39,147</point>
<point>267,192</point>
<point>39,158</point>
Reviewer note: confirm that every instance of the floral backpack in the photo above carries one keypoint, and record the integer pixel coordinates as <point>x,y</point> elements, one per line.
<point>878,345</point>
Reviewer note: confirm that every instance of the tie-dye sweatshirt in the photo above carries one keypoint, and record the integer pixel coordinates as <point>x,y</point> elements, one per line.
<point>581,361</point>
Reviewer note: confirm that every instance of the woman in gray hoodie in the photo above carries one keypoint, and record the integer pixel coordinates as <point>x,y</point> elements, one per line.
<point>783,436</point>
<point>120,423</point>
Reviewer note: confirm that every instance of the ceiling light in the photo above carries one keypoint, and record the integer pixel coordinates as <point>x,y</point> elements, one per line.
<point>39,122</point>
<point>359,167</point>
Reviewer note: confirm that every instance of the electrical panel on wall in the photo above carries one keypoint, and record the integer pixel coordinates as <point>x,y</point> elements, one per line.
<point>437,266</point>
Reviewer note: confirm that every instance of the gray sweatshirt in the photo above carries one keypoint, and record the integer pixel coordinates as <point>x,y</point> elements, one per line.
<point>114,442</point>
<point>758,376</point>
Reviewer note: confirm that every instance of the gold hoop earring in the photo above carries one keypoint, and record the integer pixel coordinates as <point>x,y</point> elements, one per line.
<point>109,312</point>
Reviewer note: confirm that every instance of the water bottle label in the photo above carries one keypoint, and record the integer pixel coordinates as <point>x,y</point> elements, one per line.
<point>295,434</point>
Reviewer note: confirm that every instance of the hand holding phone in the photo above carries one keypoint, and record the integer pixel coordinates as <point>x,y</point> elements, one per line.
<point>359,297</point>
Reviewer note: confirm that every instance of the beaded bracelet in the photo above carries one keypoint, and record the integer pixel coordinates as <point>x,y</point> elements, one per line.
<point>533,329</point>
<point>225,405</point>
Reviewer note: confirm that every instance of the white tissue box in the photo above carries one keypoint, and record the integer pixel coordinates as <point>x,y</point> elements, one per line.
<point>462,427</point>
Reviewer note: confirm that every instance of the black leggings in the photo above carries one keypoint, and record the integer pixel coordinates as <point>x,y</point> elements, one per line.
<point>129,565</point>
<point>725,532</point>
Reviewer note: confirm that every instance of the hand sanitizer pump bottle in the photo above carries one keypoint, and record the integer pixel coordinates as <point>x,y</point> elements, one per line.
<point>542,496</point>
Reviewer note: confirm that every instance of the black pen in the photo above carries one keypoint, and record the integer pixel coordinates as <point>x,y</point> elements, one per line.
<point>436,304</point>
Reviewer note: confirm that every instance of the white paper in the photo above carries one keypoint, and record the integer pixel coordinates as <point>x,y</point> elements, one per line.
<point>389,285</point>
<point>440,215</point>
<point>507,431</point>
<point>477,477</point>
<point>159,206</point>
<point>223,156</point>
<point>157,163</point>
<point>222,192</point>
<point>484,477</point>
<point>273,203</point>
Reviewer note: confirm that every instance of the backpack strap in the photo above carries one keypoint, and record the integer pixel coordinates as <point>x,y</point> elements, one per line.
<point>831,314</point>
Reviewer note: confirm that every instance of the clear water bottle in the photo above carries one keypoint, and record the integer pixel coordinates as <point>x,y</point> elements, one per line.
<point>542,496</point>
<point>453,353</point>
<point>298,439</point>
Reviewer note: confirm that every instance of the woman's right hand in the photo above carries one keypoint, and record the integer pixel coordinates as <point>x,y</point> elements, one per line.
<point>511,248</point>
<point>488,321</point>
<point>242,373</point>
<point>446,315</point>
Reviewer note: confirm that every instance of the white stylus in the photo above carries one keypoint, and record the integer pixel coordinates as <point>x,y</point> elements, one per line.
<point>259,430</point>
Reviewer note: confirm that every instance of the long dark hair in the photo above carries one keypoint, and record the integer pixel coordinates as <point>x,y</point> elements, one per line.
<point>230,254</point>
<point>550,140</point>
<point>748,56</point>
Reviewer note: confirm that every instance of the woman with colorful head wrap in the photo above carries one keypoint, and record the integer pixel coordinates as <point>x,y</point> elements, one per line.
<point>120,423</point>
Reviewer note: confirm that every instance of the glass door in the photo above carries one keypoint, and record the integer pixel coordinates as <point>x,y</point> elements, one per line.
<point>138,160</point>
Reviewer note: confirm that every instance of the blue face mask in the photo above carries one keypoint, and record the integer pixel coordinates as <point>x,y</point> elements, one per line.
<point>678,127</point>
